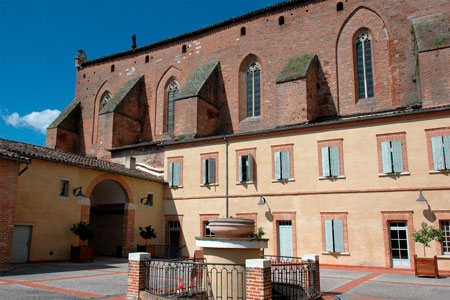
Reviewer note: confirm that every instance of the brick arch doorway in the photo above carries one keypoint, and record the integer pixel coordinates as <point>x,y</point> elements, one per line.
<point>109,213</point>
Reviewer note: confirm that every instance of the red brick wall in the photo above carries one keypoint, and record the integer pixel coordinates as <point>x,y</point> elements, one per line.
<point>434,76</point>
<point>9,171</point>
<point>312,27</point>
<point>258,284</point>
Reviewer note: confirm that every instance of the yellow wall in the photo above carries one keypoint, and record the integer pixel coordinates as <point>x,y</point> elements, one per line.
<point>39,204</point>
<point>363,194</point>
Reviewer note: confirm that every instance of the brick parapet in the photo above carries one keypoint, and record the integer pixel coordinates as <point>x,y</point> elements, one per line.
<point>136,273</point>
<point>258,279</point>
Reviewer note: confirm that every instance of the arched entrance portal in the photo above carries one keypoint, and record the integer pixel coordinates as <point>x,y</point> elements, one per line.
<point>108,215</point>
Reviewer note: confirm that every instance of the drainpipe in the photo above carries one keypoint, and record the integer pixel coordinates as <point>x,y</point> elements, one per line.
<point>226,175</point>
<point>26,167</point>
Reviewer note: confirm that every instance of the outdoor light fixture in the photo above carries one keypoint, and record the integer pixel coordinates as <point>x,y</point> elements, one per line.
<point>421,197</point>
<point>77,192</point>
<point>148,201</point>
<point>262,201</point>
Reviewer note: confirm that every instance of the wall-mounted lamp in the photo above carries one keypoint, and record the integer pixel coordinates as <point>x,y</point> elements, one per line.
<point>261,201</point>
<point>77,192</point>
<point>421,197</point>
<point>147,200</point>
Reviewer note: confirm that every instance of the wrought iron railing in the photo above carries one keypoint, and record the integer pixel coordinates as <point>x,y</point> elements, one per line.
<point>195,280</point>
<point>293,278</point>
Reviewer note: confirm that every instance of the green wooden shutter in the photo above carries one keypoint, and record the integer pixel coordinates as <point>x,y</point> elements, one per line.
<point>277,159</point>
<point>240,169</point>
<point>176,174</point>
<point>338,233</point>
<point>212,170</point>
<point>438,153</point>
<point>334,162</point>
<point>285,165</point>
<point>386,157</point>
<point>329,236</point>
<point>325,162</point>
<point>171,174</point>
<point>205,171</point>
<point>446,142</point>
<point>397,156</point>
<point>250,167</point>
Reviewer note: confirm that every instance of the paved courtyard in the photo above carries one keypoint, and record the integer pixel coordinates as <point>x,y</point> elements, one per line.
<point>107,279</point>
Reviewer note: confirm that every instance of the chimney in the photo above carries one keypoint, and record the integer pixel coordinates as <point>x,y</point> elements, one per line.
<point>130,162</point>
<point>133,38</point>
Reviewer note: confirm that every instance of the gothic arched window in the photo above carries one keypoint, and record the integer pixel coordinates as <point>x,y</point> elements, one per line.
<point>364,65</point>
<point>172,93</point>
<point>253,89</point>
<point>105,98</point>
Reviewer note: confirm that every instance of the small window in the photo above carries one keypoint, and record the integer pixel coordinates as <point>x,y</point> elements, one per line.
<point>64,188</point>
<point>105,99</point>
<point>339,6</point>
<point>174,225</point>
<point>209,171</point>
<point>281,20</point>
<point>254,89</point>
<point>330,162</point>
<point>392,156</point>
<point>334,236</point>
<point>147,59</point>
<point>183,49</point>
<point>245,168</point>
<point>243,31</point>
<point>175,174</point>
<point>148,201</point>
<point>445,227</point>
<point>112,68</point>
<point>282,165</point>
<point>440,145</point>
<point>208,232</point>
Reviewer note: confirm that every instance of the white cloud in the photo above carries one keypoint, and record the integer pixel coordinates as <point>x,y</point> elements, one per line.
<point>37,120</point>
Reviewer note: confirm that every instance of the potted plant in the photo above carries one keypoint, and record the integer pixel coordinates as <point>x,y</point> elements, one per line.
<point>426,266</point>
<point>147,233</point>
<point>83,252</point>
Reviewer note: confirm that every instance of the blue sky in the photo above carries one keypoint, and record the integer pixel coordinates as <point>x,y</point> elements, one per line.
<point>39,39</point>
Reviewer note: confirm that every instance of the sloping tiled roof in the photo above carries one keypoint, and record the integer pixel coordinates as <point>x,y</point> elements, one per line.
<point>33,151</point>
<point>192,34</point>
<point>69,108</point>
<point>197,80</point>
<point>296,68</point>
<point>12,156</point>
<point>118,97</point>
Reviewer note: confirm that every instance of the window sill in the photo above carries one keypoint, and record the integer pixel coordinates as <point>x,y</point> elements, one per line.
<point>444,257</point>
<point>336,253</point>
<point>283,180</point>
<point>244,182</point>
<point>332,178</point>
<point>63,197</point>
<point>208,184</point>
<point>439,172</point>
<point>394,174</point>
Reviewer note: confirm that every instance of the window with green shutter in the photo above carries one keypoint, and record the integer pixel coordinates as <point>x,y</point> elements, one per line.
<point>392,156</point>
<point>330,162</point>
<point>440,146</point>
<point>245,168</point>
<point>334,236</point>
<point>175,174</point>
<point>209,171</point>
<point>282,165</point>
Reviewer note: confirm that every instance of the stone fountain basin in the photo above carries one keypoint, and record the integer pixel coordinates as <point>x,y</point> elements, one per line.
<point>231,227</point>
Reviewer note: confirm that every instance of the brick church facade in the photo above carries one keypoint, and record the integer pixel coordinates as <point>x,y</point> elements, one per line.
<point>336,113</point>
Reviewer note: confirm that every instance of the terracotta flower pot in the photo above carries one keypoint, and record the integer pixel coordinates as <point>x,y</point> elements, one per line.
<point>231,227</point>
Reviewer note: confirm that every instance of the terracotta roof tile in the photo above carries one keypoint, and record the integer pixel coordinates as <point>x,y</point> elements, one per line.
<point>27,151</point>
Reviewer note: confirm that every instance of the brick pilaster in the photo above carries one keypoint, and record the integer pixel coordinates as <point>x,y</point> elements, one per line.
<point>136,273</point>
<point>258,280</point>
<point>314,258</point>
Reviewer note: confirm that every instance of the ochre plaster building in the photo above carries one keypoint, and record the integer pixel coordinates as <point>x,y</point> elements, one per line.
<point>333,114</point>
